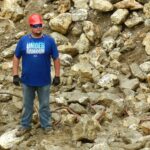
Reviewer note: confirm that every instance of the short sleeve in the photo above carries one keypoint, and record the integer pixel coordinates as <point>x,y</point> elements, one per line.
<point>18,50</point>
<point>54,50</point>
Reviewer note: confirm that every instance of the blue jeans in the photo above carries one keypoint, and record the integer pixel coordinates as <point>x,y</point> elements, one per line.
<point>43,93</point>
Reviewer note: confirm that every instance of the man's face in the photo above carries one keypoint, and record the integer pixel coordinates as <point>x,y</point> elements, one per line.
<point>37,29</point>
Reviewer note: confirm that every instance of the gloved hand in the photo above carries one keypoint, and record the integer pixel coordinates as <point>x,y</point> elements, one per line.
<point>56,81</point>
<point>16,80</point>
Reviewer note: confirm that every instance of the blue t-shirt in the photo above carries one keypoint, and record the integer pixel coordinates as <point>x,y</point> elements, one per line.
<point>36,56</point>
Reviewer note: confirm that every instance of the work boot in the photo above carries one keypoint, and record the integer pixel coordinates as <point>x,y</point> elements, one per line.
<point>22,130</point>
<point>48,130</point>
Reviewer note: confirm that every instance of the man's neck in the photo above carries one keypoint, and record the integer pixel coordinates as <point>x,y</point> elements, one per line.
<point>36,35</point>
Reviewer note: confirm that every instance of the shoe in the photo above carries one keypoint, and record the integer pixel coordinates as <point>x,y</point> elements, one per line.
<point>22,130</point>
<point>48,130</point>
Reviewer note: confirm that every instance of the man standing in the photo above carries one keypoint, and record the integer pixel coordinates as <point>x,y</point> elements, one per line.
<point>36,50</point>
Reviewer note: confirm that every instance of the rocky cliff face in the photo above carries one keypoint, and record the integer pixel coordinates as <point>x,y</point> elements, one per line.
<point>103,101</point>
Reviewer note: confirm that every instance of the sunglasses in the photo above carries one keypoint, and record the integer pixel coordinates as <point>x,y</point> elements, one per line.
<point>36,25</point>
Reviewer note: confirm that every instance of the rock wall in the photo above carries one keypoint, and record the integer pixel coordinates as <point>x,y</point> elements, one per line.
<point>103,101</point>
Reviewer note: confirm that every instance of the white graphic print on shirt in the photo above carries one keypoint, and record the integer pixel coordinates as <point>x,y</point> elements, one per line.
<point>35,48</point>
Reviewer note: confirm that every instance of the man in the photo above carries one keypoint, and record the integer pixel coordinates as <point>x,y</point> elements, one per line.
<point>36,50</point>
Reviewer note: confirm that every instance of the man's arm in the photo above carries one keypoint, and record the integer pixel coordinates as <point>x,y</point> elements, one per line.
<point>57,67</point>
<point>56,80</point>
<point>16,62</point>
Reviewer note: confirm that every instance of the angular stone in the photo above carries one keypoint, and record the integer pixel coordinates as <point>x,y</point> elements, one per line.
<point>77,29</point>
<point>137,72</point>
<point>61,23</point>
<point>108,43</point>
<point>50,15</point>
<point>92,31</point>
<point>119,16</point>
<point>81,4</point>
<point>115,55</point>
<point>108,81</point>
<point>131,122</point>
<point>129,83</point>
<point>135,20</point>
<point>79,15</point>
<point>9,52</point>
<point>107,99</point>
<point>64,6</point>
<point>85,129</point>
<point>145,66</point>
<point>145,127</point>
<point>85,72</point>
<point>113,32</point>
<point>128,4</point>
<point>8,139</point>
<point>59,38</point>
<point>61,100</point>
<point>70,119</point>
<point>68,49</point>
<point>101,5</point>
<point>66,59</point>
<point>83,44</point>
<point>77,108</point>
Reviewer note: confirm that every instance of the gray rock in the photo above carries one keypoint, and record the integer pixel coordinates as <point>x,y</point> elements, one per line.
<point>113,32</point>
<point>145,67</point>
<point>137,72</point>
<point>129,83</point>
<point>9,52</point>
<point>133,21</point>
<point>79,15</point>
<point>85,129</point>
<point>59,38</point>
<point>81,4</point>
<point>83,44</point>
<point>77,108</point>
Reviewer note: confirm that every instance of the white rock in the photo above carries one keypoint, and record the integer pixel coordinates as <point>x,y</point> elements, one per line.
<point>65,59</point>
<point>8,139</point>
<point>145,66</point>
<point>108,80</point>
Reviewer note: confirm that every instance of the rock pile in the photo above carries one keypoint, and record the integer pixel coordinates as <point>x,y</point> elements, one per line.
<point>103,101</point>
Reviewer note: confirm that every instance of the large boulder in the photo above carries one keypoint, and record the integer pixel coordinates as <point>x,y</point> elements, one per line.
<point>61,23</point>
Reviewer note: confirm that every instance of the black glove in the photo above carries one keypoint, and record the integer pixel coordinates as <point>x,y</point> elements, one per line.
<point>16,80</point>
<point>56,81</point>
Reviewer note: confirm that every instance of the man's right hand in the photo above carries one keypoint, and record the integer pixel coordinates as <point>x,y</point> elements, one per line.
<point>16,80</point>
<point>56,81</point>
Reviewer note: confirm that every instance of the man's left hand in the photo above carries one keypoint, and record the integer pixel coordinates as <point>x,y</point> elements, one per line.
<point>56,81</point>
